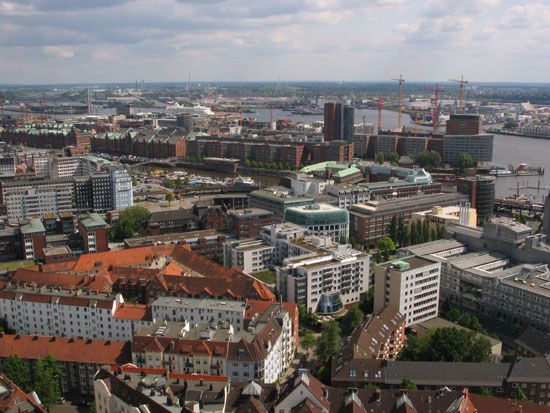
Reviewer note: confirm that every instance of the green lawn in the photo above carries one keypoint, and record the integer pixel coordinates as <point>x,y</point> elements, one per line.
<point>267,276</point>
<point>13,265</point>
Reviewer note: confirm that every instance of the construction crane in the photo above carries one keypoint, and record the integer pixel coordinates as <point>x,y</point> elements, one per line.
<point>461,82</point>
<point>435,108</point>
<point>1,108</point>
<point>380,106</point>
<point>400,109</point>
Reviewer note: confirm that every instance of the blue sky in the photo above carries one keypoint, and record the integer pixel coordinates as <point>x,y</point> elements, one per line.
<point>50,41</point>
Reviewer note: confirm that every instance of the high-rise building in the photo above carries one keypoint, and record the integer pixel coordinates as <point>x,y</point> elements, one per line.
<point>481,190</point>
<point>339,122</point>
<point>464,134</point>
<point>546,222</point>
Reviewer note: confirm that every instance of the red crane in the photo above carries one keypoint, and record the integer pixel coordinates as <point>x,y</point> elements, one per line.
<point>380,106</point>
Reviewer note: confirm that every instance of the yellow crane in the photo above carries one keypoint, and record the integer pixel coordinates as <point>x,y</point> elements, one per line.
<point>461,82</point>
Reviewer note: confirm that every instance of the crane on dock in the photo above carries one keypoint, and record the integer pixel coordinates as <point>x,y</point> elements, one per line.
<point>380,106</point>
<point>400,108</point>
<point>461,82</point>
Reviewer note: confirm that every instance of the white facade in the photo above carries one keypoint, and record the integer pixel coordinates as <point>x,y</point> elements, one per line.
<point>411,285</point>
<point>196,310</point>
<point>250,256</point>
<point>325,281</point>
<point>7,166</point>
<point>121,184</point>
<point>348,195</point>
<point>308,186</point>
<point>66,316</point>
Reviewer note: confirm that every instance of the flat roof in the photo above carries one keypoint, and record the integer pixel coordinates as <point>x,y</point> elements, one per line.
<point>413,261</point>
<point>249,212</point>
<point>200,303</point>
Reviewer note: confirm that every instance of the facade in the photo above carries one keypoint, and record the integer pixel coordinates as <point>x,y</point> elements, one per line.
<point>7,166</point>
<point>386,144</point>
<point>55,136</point>
<point>247,223</point>
<point>95,233</point>
<point>409,284</point>
<point>332,151</point>
<point>121,186</point>
<point>33,239</point>
<point>339,122</point>
<point>480,147</point>
<point>325,279</point>
<point>79,359</point>
<point>439,217</point>
<point>371,221</point>
<point>346,195</point>
<point>62,313</point>
<point>33,199</point>
<point>464,124</point>
<point>15,400</point>
<point>546,221</point>
<point>321,220</point>
<point>481,190</point>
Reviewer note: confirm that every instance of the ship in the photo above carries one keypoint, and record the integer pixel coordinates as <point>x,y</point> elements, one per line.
<point>198,110</point>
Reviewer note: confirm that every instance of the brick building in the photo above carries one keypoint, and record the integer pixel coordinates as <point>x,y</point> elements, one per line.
<point>247,223</point>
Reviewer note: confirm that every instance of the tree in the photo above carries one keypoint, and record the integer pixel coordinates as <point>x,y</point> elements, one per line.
<point>393,157</point>
<point>217,258</point>
<point>169,197</point>
<point>371,386</point>
<point>353,318</point>
<point>329,341</point>
<point>247,163</point>
<point>307,318</point>
<point>519,394</point>
<point>440,229</point>
<point>414,234</point>
<point>521,219</point>
<point>380,158</point>
<point>454,315</point>
<point>425,231</point>
<point>465,161</point>
<point>401,231</point>
<point>46,380</point>
<point>385,245</point>
<point>367,301</point>
<point>408,384</point>
<point>17,371</point>
<point>169,184</point>
<point>433,233</point>
<point>448,344</point>
<point>131,222</point>
<point>343,240</point>
<point>484,391</point>
<point>393,229</point>
<point>429,160</point>
<point>308,342</point>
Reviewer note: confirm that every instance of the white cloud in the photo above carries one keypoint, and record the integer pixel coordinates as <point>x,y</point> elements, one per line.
<point>62,52</point>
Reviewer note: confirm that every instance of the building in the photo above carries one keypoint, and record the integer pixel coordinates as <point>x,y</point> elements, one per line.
<point>546,222</point>
<point>409,284</point>
<point>94,232</point>
<point>533,343</point>
<point>247,223</point>
<point>339,122</point>
<point>261,349</point>
<point>79,359</point>
<point>33,239</point>
<point>346,195</point>
<point>121,186</point>
<point>464,124</point>
<point>325,279</point>
<point>321,220</point>
<point>15,400</point>
<point>277,200</point>
<point>207,243</point>
<point>25,199</point>
<point>480,147</point>
<point>381,336</point>
<point>440,217</point>
<point>481,191</point>
<point>332,151</point>
<point>7,166</point>
<point>371,221</point>
<point>47,135</point>
<point>386,144</point>
<point>131,389</point>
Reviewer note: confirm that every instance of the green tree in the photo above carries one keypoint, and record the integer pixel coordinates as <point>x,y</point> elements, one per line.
<point>307,318</point>
<point>169,197</point>
<point>308,342</point>
<point>433,233</point>
<point>329,341</point>
<point>509,356</point>
<point>17,371</point>
<point>393,157</point>
<point>134,181</point>
<point>414,234</point>
<point>429,160</point>
<point>131,222</point>
<point>169,184</point>
<point>217,258</point>
<point>440,229</point>
<point>385,245</point>
<point>419,232</point>
<point>519,394</point>
<point>353,318</point>
<point>465,161</point>
<point>484,391</point>
<point>408,384</point>
<point>367,301</point>
<point>454,315</point>
<point>343,240</point>
<point>380,158</point>
<point>247,163</point>
<point>425,231</point>
<point>46,380</point>
<point>371,386</point>
<point>393,229</point>
<point>401,231</point>
<point>451,344</point>
<point>521,218</point>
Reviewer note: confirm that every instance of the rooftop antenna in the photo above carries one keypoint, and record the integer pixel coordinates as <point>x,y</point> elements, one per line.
<point>400,109</point>
<point>461,82</point>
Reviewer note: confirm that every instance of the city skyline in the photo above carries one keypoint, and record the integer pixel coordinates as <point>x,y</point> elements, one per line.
<point>232,40</point>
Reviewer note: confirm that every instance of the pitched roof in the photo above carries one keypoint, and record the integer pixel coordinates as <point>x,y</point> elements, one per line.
<point>15,400</point>
<point>65,349</point>
<point>485,404</point>
<point>134,312</point>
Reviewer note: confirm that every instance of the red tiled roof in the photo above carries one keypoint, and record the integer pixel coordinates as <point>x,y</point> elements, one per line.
<point>497,405</point>
<point>65,349</point>
<point>140,344</point>
<point>16,399</point>
<point>129,311</point>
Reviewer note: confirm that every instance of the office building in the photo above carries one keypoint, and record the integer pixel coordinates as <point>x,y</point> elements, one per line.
<point>480,147</point>
<point>440,217</point>
<point>481,191</point>
<point>325,279</point>
<point>321,220</point>
<point>371,221</point>
<point>33,239</point>
<point>546,220</point>
<point>121,187</point>
<point>410,285</point>
<point>339,122</point>
<point>7,166</point>
<point>464,124</point>
<point>94,232</point>
<point>247,223</point>
<point>277,200</point>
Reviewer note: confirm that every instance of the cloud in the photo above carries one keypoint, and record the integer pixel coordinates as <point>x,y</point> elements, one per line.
<point>62,52</point>
<point>528,15</point>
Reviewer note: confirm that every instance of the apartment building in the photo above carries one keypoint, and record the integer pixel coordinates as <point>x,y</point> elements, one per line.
<point>7,166</point>
<point>409,284</point>
<point>325,279</point>
<point>260,351</point>
<point>79,359</point>
<point>63,313</point>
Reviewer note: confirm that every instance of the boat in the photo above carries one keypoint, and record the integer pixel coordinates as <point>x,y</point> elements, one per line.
<point>198,110</point>
<point>500,171</point>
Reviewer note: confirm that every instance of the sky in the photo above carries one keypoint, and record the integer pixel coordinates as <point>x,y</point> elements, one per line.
<point>75,41</point>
